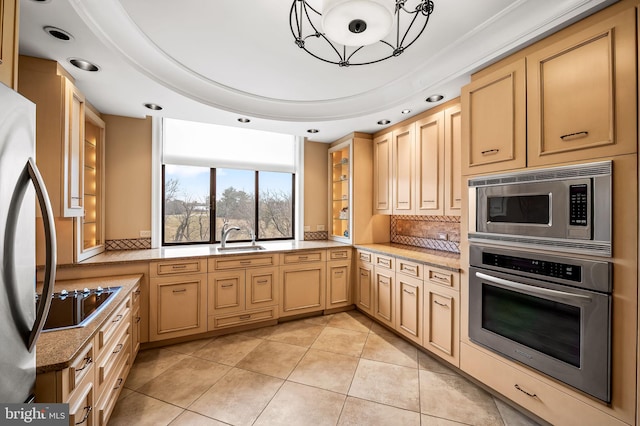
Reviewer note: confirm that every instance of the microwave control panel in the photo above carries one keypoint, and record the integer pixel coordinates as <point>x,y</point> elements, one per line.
<point>578,205</point>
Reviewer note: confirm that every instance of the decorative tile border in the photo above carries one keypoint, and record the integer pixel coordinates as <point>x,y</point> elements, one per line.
<point>128,244</point>
<point>316,235</point>
<point>424,231</point>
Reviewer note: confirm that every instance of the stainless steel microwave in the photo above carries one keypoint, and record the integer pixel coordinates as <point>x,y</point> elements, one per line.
<point>566,209</point>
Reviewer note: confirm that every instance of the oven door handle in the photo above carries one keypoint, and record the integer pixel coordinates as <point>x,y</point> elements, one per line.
<point>532,290</point>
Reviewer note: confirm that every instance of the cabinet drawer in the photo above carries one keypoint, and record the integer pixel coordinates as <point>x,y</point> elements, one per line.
<point>527,391</point>
<point>409,268</point>
<point>190,266</point>
<point>248,317</point>
<point>111,357</point>
<point>81,366</point>
<point>109,395</point>
<point>382,261</point>
<point>81,404</point>
<point>238,262</point>
<point>112,325</point>
<point>365,256</point>
<point>303,257</point>
<point>340,254</point>
<point>443,277</point>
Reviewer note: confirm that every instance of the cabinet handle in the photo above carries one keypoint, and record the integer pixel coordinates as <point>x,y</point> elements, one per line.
<point>576,135</point>
<point>119,384</point>
<point>365,257</point>
<point>245,317</point>
<point>383,282</point>
<point>303,257</point>
<point>440,278</point>
<point>118,348</point>
<point>245,262</point>
<point>444,305</point>
<point>457,199</point>
<point>137,292</point>
<point>184,290</point>
<point>87,410</point>
<point>384,262</point>
<point>408,268</point>
<point>263,281</point>
<point>87,362</point>
<point>227,285</point>
<point>490,151</point>
<point>178,266</point>
<point>364,273</point>
<point>118,318</point>
<point>338,273</point>
<point>429,201</point>
<point>532,395</point>
<point>138,319</point>
<point>408,292</point>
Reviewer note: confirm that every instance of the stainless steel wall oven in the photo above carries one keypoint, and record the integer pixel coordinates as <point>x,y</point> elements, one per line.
<point>550,312</point>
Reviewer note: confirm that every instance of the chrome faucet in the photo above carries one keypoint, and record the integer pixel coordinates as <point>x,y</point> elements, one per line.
<point>225,233</point>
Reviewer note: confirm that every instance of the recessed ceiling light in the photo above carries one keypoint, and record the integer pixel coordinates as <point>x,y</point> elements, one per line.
<point>383,122</point>
<point>313,131</point>
<point>41,1</point>
<point>84,64</point>
<point>405,111</point>
<point>434,98</point>
<point>154,107</point>
<point>57,33</point>
<point>244,120</point>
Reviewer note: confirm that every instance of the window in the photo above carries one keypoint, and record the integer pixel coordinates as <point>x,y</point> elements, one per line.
<point>249,175</point>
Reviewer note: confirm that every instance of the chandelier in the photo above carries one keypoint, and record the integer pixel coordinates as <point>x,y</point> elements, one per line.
<point>358,32</point>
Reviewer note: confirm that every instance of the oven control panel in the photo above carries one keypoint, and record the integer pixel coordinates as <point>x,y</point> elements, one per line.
<point>563,271</point>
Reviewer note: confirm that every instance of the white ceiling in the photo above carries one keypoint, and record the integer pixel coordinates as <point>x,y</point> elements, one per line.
<point>215,61</point>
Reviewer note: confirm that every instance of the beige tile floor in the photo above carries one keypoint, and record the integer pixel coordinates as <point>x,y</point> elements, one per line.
<point>340,369</point>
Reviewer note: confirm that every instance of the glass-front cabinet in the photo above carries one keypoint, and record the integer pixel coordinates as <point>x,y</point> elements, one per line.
<point>340,192</point>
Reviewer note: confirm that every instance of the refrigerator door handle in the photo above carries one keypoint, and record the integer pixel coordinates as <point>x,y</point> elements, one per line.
<point>31,173</point>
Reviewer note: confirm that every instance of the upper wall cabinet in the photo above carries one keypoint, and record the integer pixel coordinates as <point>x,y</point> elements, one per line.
<point>494,125</point>
<point>60,111</point>
<point>382,170</point>
<point>569,97</point>
<point>9,42</point>
<point>581,94</point>
<point>402,154</point>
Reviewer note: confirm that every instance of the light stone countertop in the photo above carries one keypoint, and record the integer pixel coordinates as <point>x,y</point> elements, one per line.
<point>56,349</point>
<point>436,258</point>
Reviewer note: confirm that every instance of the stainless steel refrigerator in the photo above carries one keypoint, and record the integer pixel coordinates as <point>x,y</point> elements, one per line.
<point>21,320</point>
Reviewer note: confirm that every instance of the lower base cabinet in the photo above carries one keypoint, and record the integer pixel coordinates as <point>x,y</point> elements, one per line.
<point>409,307</point>
<point>338,284</point>
<point>384,296</point>
<point>441,315</point>
<point>364,287</point>
<point>302,287</point>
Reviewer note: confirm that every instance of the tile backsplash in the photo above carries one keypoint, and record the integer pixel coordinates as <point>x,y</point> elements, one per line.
<point>316,235</point>
<point>425,232</point>
<point>128,244</point>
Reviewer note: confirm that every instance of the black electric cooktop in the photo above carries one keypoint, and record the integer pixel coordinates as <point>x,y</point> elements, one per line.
<point>76,308</point>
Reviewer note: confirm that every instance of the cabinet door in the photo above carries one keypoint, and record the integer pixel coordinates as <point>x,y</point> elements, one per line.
<point>302,288</point>
<point>81,405</point>
<point>364,287</point>
<point>581,94</point>
<point>494,121</point>
<point>384,296</point>
<point>226,292</point>
<point>441,323</point>
<point>382,174</point>
<point>261,287</point>
<point>136,319</point>
<point>73,176</point>
<point>340,205</point>
<point>177,306</point>
<point>429,172</point>
<point>403,165</point>
<point>453,161</point>
<point>409,307</point>
<point>9,43</point>
<point>338,284</point>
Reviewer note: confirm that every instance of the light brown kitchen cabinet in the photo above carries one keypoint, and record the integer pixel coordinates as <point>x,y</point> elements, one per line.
<point>442,322</point>
<point>403,178</point>
<point>136,321</point>
<point>340,192</point>
<point>302,282</point>
<point>364,282</point>
<point>382,174</point>
<point>338,278</point>
<point>453,161</point>
<point>384,289</point>
<point>177,300</point>
<point>581,94</point>
<point>9,24</point>
<point>409,310</point>
<point>494,118</point>
<point>242,290</point>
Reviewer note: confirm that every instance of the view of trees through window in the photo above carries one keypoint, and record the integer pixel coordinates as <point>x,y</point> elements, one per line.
<point>187,206</point>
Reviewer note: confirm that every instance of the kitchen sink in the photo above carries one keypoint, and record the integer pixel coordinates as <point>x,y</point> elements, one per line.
<point>241,248</point>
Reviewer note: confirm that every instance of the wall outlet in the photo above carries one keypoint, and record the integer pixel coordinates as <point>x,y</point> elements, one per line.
<point>307,228</point>
<point>145,234</point>
<point>320,228</point>
<point>443,236</point>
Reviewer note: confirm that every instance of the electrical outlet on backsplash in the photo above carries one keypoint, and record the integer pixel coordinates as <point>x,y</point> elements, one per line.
<point>432,232</point>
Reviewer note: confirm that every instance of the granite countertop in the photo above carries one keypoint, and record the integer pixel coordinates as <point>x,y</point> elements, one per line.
<point>56,349</point>
<point>437,258</point>
<point>204,250</point>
